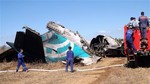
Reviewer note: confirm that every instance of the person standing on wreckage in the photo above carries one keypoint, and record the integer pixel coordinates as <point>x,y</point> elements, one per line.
<point>143,25</point>
<point>69,59</point>
<point>21,61</point>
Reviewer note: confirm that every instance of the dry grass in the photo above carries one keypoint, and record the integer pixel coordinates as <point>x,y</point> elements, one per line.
<point>123,75</point>
<point>115,75</point>
<point>105,62</point>
<point>49,66</point>
<point>8,65</point>
<point>12,65</point>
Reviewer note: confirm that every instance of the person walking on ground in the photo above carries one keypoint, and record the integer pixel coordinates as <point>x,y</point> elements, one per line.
<point>69,59</point>
<point>21,61</point>
<point>143,25</point>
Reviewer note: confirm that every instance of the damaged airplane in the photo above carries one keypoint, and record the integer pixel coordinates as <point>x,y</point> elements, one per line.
<point>53,45</point>
<point>57,40</point>
<point>104,45</point>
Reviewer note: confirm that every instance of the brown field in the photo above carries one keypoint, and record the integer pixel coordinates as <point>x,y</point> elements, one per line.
<point>113,75</point>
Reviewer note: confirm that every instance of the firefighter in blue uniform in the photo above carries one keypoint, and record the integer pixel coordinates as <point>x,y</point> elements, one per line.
<point>129,35</point>
<point>69,59</point>
<point>21,61</point>
<point>143,24</point>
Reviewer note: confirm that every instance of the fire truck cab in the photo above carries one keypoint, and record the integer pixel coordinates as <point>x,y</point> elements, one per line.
<point>142,58</point>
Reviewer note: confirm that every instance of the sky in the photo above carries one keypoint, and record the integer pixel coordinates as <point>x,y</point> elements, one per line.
<point>89,17</point>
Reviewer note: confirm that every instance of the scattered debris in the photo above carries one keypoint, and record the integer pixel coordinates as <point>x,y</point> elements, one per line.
<point>53,45</point>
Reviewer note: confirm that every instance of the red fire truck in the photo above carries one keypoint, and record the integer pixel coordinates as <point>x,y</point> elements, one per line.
<point>142,58</point>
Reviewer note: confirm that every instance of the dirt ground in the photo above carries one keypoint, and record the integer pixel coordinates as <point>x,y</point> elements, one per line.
<point>112,75</point>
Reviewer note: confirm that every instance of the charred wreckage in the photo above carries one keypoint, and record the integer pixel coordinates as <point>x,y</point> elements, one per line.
<point>52,46</point>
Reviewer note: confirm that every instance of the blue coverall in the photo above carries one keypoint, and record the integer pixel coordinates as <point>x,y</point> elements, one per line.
<point>129,40</point>
<point>21,62</point>
<point>143,23</point>
<point>69,59</point>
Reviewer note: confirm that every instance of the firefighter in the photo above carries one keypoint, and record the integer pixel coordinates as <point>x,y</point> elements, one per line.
<point>143,25</point>
<point>21,61</point>
<point>69,59</point>
<point>129,35</point>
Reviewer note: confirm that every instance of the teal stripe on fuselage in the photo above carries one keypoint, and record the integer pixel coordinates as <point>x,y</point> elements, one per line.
<point>48,50</point>
<point>59,39</point>
<point>76,49</point>
<point>43,37</point>
<point>63,49</point>
<point>56,39</point>
<point>79,51</point>
<point>50,59</point>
